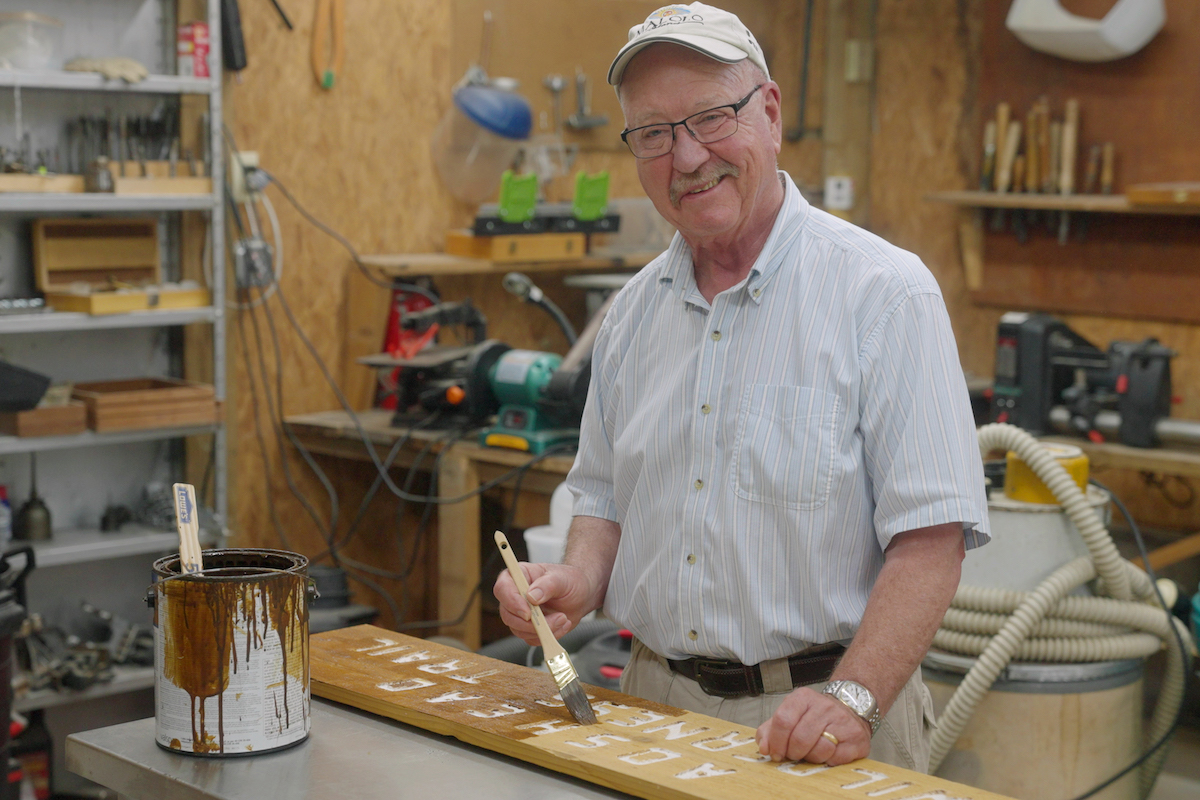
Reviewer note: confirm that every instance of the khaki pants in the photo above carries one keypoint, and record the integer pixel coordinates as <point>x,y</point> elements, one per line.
<point>903,738</point>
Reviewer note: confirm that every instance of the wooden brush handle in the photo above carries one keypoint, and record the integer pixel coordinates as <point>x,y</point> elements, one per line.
<point>190,559</point>
<point>549,644</point>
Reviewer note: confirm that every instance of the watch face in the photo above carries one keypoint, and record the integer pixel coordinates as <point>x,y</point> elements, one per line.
<point>856,696</point>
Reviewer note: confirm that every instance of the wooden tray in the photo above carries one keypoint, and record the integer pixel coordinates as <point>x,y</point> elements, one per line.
<point>126,300</point>
<point>65,420</point>
<point>142,403</point>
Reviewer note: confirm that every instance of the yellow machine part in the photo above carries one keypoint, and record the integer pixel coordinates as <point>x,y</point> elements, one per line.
<point>1021,483</point>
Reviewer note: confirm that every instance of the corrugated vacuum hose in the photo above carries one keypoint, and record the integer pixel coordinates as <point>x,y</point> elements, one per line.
<point>996,625</point>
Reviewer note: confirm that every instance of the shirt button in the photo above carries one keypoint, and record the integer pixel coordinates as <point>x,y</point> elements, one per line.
<point>699,484</point>
<point>693,635</point>
<point>716,336</point>
<point>704,409</point>
<point>691,559</point>
<point>757,292</point>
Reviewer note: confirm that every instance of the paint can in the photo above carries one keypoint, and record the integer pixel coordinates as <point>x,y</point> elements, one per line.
<point>231,653</point>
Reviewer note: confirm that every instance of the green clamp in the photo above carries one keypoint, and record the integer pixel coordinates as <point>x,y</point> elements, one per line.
<point>591,196</point>
<point>518,196</point>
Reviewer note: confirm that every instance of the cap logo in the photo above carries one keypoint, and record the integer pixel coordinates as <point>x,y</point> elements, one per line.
<point>667,11</point>
<point>661,20</point>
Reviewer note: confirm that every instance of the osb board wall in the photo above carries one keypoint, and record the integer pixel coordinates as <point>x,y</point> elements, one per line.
<point>1134,266</point>
<point>927,123</point>
<point>357,157</point>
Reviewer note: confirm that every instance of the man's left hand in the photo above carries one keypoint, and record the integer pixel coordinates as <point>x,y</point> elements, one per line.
<point>794,732</point>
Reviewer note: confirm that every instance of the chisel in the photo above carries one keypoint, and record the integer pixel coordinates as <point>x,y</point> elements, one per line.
<point>987,175</point>
<point>569,687</point>
<point>1004,165</point>
<point>1091,177</point>
<point>1066,178</point>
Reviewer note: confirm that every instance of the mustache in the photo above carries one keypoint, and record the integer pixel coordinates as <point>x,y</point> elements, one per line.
<point>683,184</point>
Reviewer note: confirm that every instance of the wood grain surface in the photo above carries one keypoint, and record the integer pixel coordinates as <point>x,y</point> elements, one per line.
<point>643,748</point>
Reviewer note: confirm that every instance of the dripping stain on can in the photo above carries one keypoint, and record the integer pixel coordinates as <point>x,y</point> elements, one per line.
<point>232,641</point>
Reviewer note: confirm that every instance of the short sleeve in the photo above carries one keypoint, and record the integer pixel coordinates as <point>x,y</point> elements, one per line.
<point>591,477</point>
<point>921,451</point>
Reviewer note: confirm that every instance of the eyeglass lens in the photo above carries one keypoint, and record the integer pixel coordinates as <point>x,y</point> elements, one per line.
<point>707,127</point>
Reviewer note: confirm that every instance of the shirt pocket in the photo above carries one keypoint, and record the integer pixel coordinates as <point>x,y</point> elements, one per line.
<point>784,452</point>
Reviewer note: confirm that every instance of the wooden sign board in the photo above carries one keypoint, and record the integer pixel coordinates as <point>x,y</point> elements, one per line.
<point>642,748</point>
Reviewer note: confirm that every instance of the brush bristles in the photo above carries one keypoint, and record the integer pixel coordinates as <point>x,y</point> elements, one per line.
<point>570,689</point>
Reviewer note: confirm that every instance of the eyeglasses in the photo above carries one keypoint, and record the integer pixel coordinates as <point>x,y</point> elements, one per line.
<point>706,127</point>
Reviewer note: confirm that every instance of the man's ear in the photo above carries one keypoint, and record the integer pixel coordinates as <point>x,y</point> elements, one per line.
<point>774,109</point>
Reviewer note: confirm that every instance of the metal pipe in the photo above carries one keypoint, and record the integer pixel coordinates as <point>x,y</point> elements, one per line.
<point>1169,431</point>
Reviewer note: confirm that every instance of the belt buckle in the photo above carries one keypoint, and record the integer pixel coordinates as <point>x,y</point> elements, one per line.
<point>706,679</point>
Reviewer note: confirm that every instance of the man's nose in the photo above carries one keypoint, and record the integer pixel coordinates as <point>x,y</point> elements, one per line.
<point>688,154</point>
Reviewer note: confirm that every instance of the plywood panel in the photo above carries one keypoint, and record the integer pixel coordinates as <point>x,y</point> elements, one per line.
<point>643,748</point>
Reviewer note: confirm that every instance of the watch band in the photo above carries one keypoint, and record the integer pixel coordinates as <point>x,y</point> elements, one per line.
<point>871,714</point>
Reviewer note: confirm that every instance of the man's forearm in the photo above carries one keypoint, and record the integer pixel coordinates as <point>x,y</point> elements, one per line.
<point>592,547</point>
<point>911,595</point>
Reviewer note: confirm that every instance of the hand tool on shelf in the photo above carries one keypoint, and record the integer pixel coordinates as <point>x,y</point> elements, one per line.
<point>1107,157</point>
<point>1091,179</point>
<point>1066,178</point>
<point>557,660</point>
<point>1012,141</point>
<point>1020,216</point>
<point>1054,167</point>
<point>190,559</point>
<point>1003,113</point>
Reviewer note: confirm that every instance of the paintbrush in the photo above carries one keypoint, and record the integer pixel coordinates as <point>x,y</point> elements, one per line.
<point>190,560</point>
<point>569,687</point>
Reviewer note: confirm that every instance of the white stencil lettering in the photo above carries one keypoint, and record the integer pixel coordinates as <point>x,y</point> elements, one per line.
<point>438,669</point>
<point>543,728</point>
<point>379,643</point>
<point>633,722</point>
<point>454,697</point>
<point>472,678</point>
<point>726,742</point>
<point>872,777</point>
<point>758,759</point>
<point>423,655</point>
<point>404,686</point>
<point>707,770</point>
<point>652,756</point>
<point>675,731</point>
<point>933,796</point>
<point>504,710</point>
<point>888,790</point>
<point>598,740</point>
<point>789,768</point>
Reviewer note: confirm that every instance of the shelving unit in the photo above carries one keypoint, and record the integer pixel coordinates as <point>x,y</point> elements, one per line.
<point>1087,203</point>
<point>112,570</point>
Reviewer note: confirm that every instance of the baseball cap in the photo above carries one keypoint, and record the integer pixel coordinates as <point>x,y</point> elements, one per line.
<point>716,33</point>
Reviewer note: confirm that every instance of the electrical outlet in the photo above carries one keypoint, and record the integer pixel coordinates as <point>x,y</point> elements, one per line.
<point>238,164</point>
<point>253,263</point>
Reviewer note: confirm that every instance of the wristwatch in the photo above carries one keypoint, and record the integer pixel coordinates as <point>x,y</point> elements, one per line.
<point>858,698</point>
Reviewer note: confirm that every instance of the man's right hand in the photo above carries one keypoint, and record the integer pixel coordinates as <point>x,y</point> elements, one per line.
<point>564,593</point>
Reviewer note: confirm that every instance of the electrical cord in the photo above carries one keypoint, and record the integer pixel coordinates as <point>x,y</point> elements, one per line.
<point>1144,553</point>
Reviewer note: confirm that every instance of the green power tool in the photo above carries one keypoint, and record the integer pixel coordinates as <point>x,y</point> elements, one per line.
<point>525,421</point>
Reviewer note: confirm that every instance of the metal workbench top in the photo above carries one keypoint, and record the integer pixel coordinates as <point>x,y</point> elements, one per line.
<point>349,755</point>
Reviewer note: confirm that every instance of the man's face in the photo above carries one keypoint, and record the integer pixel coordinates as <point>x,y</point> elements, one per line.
<point>667,83</point>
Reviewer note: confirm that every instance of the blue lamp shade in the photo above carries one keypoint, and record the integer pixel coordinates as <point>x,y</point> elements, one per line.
<point>503,113</point>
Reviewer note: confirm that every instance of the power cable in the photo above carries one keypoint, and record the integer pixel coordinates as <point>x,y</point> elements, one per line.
<point>1144,553</point>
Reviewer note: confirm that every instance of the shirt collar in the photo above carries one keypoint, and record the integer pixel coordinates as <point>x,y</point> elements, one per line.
<point>678,272</point>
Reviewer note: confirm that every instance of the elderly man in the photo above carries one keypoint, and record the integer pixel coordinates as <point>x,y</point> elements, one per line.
<point>777,474</point>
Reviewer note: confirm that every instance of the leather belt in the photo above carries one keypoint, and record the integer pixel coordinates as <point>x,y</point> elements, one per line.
<point>729,679</point>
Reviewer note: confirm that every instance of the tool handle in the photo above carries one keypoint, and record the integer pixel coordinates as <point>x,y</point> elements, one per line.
<point>190,559</point>
<point>1012,141</point>
<point>549,644</point>
<point>1106,168</point>
<point>1070,134</point>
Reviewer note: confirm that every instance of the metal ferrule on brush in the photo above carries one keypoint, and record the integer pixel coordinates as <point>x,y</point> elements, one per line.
<point>561,669</point>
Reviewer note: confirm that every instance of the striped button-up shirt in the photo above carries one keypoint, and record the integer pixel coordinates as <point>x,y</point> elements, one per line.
<point>759,453</point>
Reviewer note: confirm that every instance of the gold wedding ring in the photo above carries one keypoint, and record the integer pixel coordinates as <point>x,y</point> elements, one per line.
<point>831,738</point>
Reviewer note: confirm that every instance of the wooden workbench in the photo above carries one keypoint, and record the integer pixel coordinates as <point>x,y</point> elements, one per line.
<point>463,467</point>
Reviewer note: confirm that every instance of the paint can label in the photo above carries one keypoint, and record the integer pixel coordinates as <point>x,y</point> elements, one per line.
<point>231,664</point>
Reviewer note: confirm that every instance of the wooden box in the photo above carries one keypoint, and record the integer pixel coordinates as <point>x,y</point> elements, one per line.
<point>521,247</point>
<point>141,403</point>
<point>104,266</point>
<point>65,420</point>
<point>54,184</point>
